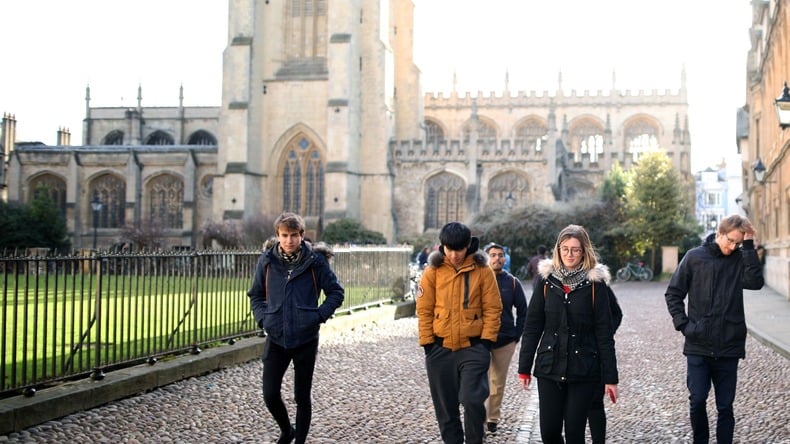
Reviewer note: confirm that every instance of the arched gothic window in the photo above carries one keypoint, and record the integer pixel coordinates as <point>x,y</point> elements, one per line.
<point>202,137</point>
<point>159,138</point>
<point>532,134</point>
<point>640,137</point>
<point>586,137</point>
<point>445,195</point>
<point>54,187</point>
<point>114,137</point>
<point>303,178</point>
<point>508,189</point>
<point>165,196</point>
<point>433,133</point>
<point>111,191</point>
<point>485,131</point>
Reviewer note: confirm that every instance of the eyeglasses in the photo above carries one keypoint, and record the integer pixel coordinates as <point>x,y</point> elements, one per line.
<point>732,242</point>
<point>565,251</point>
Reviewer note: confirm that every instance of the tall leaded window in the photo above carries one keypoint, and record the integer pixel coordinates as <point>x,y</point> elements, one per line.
<point>111,191</point>
<point>532,134</point>
<point>303,178</point>
<point>586,137</point>
<point>202,137</point>
<point>165,201</point>
<point>54,187</point>
<point>508,189</point>
<point>114,137</point>
<point>306,29</point>
<point>433,133</point>
<point>444,200</point>
<point>485,130</point>
<point>641,136</point>
<point>159,138</point>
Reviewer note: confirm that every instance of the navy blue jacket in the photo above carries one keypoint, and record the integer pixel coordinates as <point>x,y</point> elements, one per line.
<point>285,302</point>
<point>715,325</point>
<point>512,294</point>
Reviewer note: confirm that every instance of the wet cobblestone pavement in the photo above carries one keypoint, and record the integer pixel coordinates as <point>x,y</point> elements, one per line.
<point>371,387</point>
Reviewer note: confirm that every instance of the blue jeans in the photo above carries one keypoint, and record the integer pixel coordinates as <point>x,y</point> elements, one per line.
<point>723,373</point>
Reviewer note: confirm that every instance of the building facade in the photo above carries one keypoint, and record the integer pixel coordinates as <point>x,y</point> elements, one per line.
<point>762,140</point>
<point>322,113</point>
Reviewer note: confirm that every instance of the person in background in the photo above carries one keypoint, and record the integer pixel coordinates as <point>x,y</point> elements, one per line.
<point>422,258</point>
<point>569,328</point>
<point>506,266</point>
<point>458,317</point>
<point>596,415</point>
<point>512,294</point>
<point>289,278</point>
<point>532,265</point>
<point>713,277</point>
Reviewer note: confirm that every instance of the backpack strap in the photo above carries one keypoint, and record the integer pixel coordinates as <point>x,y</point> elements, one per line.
<point>266,283</point>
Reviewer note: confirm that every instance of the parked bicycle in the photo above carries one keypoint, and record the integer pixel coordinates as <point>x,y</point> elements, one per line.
<point>635,270</point>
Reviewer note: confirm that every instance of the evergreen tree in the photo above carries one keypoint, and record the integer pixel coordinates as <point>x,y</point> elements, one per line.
<point>656,205</point>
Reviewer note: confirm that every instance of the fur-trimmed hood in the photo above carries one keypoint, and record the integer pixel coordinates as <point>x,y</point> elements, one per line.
<point>600,273</point>
<point>436,258</point>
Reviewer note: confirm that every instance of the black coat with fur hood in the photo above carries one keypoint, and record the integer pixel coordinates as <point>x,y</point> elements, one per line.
<point>571,333</point>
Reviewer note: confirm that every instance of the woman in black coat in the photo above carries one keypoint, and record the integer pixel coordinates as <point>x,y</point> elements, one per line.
<point>568,335</point>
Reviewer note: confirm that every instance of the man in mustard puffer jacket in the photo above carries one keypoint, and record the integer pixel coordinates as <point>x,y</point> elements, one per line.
<point>458,312</point>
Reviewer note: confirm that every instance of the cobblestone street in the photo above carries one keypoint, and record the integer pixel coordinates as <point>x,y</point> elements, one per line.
<point>370,387</point>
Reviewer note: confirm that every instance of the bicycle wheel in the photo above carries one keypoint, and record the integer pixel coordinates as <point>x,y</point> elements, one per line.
<point>623,274</point>
<point>647,274</point>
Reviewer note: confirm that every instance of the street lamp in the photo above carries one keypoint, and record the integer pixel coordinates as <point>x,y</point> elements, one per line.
<point>783,107</point>
<point>759,171</point>
<point>96,205</point>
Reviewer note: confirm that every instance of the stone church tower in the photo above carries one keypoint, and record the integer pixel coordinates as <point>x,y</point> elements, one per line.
<point>311,97</point>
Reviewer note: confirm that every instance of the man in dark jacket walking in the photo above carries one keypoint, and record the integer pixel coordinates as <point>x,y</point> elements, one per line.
<point>713,276</point>
<point>289,278</point>
<point>512,294</point>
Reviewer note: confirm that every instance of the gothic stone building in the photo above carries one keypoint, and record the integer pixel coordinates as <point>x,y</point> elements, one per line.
<point>322,113</point>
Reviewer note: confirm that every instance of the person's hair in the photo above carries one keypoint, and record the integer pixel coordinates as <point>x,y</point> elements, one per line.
<point>542,249</point>
<point>589,258</point>
<point>289,221</point>
<point>455,236</point>
<point>735,222</point>
<point>493,245</point>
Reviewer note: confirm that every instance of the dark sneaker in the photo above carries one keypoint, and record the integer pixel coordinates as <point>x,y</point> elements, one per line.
<point>491,427</point>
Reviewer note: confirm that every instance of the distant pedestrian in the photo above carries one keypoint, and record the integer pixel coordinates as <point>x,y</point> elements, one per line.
<point>422,258</point>
<point>713,277</point>
<point>512,294</point>
<point>458,317</point>
<point>289,278</point>
<point>532,265</point>
<point>569,328</point>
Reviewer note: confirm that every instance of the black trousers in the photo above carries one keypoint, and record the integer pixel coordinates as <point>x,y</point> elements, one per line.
<point>455,378</point>
<point>564,404</point>
<point>596,417</point>
<point>276,360</point>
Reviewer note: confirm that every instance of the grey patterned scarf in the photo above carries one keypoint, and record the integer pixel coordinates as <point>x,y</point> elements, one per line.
<point>570,278</point>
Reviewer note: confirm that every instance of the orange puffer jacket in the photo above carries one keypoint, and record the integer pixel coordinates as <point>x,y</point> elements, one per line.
<point>457,305</point>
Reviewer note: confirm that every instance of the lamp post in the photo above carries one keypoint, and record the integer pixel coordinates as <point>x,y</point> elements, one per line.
<point>783,107</point>
<point>96,205</point>
<point>759,171</point>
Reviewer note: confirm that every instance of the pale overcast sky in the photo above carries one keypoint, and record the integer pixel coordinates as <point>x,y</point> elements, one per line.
<point>53,49</point>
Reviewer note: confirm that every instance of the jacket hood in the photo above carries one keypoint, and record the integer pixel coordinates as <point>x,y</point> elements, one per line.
<point>437,258</point>
<point>600,273</point>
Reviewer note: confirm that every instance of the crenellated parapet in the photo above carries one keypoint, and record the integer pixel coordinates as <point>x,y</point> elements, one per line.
<point>510,150</point>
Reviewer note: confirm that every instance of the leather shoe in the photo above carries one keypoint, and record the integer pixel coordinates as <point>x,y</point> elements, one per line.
<point>491,427</point>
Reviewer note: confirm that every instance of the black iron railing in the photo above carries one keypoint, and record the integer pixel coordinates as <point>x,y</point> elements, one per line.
<point>81,315</point>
